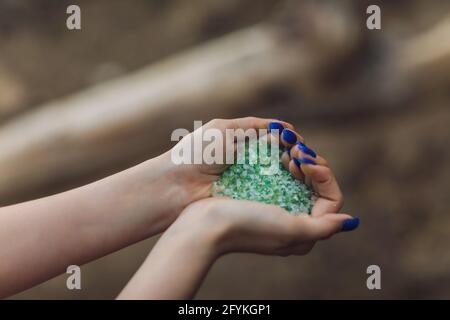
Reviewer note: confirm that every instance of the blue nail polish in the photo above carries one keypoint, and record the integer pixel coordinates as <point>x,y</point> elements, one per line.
<point>289,136</point>
<point>306,161</point>
<point>288,150</point>
<point>350,224</point>
<point>276,126</point>
<point>304,148</point>
<point>297,163</point>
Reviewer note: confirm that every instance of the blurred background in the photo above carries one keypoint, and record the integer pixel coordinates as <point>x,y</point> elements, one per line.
<point>76,106</point>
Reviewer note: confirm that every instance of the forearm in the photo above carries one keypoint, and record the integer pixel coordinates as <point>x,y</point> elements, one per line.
<point>177,265</point>
<point>39,239</point>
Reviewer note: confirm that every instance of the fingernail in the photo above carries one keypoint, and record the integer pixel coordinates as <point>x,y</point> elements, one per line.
<point>276,126</point>
<point>297,163</point>
<point>304,148</point>
<point>306,161</point>
<point>350,224</point>
<point>289,136</point>
<point>288,150</point>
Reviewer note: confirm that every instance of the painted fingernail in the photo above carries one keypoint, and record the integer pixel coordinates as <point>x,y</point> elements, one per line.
<point>350,224</point>
<point>289,136</point>
<point>304,148</point>
<point>276,126</point>
<point>288,151</point>
<point>306,161</point>
<point>297,163</point>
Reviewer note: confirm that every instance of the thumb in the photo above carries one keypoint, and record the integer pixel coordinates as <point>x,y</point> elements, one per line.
<point>326,225</point>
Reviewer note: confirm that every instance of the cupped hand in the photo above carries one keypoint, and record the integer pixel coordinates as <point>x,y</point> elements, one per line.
<point>195,179</point>
<point>247,226</point>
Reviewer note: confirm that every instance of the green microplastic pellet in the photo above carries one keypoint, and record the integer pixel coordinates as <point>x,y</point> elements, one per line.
<point>248,182</point>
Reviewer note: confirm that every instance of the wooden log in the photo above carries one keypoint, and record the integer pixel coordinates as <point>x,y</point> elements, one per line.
<point>118,123</point>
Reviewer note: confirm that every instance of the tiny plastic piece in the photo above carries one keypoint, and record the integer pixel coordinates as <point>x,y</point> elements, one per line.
<point>248,182</point>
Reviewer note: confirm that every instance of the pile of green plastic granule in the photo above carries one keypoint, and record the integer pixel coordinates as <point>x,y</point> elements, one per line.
<point>247,181</point>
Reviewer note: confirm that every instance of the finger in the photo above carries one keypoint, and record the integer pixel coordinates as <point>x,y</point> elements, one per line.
<point>237,141</point>
<point>273,125</point>
<point>277,127</point>
<point>294,168</point>
<point>290,137</point>
<point>325,184</point>
<point>298,151</point>
<point>278,124</point>
<point>285,159</point>
<point>325,226</point>
<point>247,123</point>
<point>301,159</point>
<point>306,152</point>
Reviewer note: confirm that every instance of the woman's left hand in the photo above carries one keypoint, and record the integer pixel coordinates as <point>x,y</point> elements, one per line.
<point>193,181</point>
<point>211,227</point>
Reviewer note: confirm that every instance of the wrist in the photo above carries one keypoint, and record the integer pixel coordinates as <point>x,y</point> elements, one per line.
<point>182,184</point>
<point>149,194</point>
<point>205,221</point>
<point>178,262</point>
<point>166,182</point>
<point>196,243</point>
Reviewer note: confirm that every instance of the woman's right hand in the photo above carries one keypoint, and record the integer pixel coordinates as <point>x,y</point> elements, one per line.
<point>247,226</point>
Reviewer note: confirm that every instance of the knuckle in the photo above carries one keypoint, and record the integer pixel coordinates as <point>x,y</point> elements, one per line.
<point>323,176</point>
<point>340,202</point>
<point>327,172</point>
<point>252,121</point>
<point>326,235</point>
<point>215,121</point>
<point>328,231</point>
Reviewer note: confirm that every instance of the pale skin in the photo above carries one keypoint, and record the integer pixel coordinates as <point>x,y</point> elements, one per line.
<point>89,222</point>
